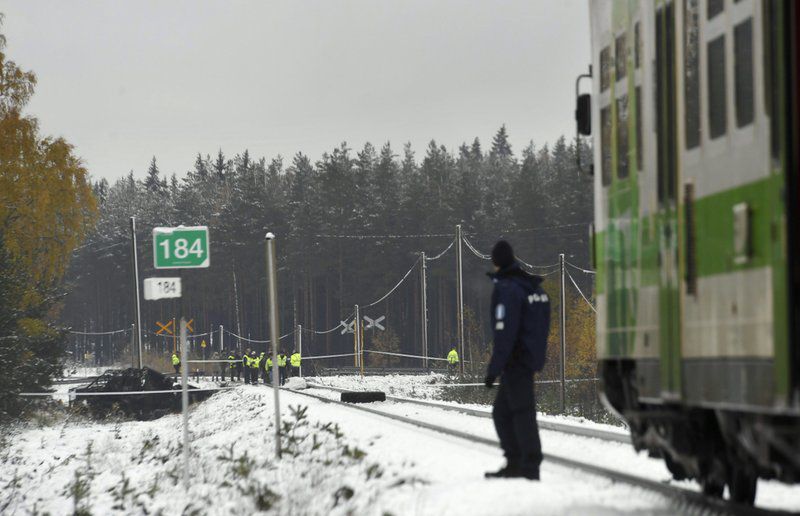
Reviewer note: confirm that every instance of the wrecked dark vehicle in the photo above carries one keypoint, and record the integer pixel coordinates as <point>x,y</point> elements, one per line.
<point>142,406</point>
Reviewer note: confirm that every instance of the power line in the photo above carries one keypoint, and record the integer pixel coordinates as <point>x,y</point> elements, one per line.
<point>395,287</point>
<point>362,237</point>
<point>581,292</point>
<point>585,271</point>
<point>442,253</point>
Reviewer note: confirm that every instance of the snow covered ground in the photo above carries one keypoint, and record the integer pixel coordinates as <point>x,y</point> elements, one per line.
<point>337,461</point>
<point>621,457</point>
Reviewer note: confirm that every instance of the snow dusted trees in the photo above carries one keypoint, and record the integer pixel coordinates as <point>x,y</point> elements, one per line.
<point>317,210</point>
<point>46,205</point>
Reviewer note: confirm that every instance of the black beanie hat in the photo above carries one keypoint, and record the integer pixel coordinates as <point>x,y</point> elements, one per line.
<point>502,254</point>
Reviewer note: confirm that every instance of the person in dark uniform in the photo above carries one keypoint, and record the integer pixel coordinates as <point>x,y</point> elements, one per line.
<point>520,322</point>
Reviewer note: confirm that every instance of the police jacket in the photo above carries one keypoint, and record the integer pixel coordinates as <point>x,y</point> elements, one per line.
<point>520,320</point>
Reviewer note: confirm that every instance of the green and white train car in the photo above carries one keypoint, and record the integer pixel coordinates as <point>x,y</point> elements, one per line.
<point>694,116</point>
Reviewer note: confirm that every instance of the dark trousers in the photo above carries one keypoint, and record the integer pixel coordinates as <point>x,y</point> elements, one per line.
<point>177,369</point>
<point>238,373</point>
<point>282,374</point>
<point>514,415</point>
<point>295,371</point>
<point>246,374</point>
<point>233,372</point>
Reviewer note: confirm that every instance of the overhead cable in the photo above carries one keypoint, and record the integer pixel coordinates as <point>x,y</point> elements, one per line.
<point>255,341</point>
<point>123,330</point>
<point>395,287</point>
<point>581,292</point>
<point>475,251</point>
<point>362,237</point>
<point>442,253</point>
<point>585,271</point>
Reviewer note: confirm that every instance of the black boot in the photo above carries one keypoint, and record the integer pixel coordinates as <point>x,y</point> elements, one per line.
<point>510,470</point>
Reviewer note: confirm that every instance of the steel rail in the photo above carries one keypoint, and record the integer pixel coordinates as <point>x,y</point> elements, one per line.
<point>595,433</point>
<point>685,499</point>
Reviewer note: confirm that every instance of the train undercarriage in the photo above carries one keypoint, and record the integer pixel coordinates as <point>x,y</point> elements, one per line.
<point>717,447</point>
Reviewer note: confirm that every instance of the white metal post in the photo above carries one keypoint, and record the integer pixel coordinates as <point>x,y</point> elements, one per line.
<point>424,291</point>
<point>133,345</point>
<point>221,339</point>
<point>460,287</point>
<point>273,328</point>
<point>185,402</point>
<point>563,335</point>
<point>134,254</point>
<point>357,330</point>
<point>300,347</point>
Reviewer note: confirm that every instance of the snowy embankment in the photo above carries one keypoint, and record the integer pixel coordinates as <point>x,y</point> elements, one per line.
<point>337,461</point>
<point>612,455</point>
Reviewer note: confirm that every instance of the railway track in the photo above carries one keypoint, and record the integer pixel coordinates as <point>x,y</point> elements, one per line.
<point>596,433</point>
<point>687,502</point>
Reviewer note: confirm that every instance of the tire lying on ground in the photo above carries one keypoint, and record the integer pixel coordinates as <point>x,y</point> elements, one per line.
<point>363,397</point>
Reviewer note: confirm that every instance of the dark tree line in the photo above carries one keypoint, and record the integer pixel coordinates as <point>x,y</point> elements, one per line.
<point>348,226</point>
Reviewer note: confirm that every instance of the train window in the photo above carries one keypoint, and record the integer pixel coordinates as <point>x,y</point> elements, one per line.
<point>605,72</point>
<point>605,143</point>
<point>636,44</point>
<point>622,137</point>
<point>620,57</point>
<point>639,115</point>
<point>743,72</point>
<point>691,81</point>
<point>717,117</point>
<point>715,7</point>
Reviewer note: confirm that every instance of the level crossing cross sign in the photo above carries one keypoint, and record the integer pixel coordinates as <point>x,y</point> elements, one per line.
<point>348,327</point>
<point>375,323</point>
<point>164,328</point>
<point>181,247</point>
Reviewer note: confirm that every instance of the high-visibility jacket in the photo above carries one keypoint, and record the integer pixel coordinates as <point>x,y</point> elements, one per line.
<point>246,360</point>
<point>254,362</point>
<point>281,360</point>
<point>295,360</point>
<point>175,359</point>
<point>269,363</point>
<point>232,364</point>
<point>452,357</point>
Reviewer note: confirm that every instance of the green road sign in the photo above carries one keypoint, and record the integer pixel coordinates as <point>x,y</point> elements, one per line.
<point>181,247</point>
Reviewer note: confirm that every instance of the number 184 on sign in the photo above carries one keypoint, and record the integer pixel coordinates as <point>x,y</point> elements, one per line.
<point>181,247</point>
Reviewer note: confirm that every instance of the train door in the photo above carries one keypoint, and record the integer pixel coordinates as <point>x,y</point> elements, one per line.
<point>667,180</point>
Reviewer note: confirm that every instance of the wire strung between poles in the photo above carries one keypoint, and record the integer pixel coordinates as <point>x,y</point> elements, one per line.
<point>317,357</point>
<point>520,260</point>
<point>585,271</point>
<point>403,355</point>
<point>395,287</point>
<point>580,291</point>
<point>475,251</point>
<point>442,253</point>
<point>254,341</point>
<point>124,330</point>
<point>363,237</point>
<point>120,393</point>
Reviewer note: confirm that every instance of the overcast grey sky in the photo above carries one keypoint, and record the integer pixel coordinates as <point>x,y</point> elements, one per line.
<point>126,80</point>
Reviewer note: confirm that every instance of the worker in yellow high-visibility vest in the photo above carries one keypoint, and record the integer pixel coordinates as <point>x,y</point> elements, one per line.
<point>282,367</point>
<point>176,363</point>
<point>294,360</point>
<point>452,360</point>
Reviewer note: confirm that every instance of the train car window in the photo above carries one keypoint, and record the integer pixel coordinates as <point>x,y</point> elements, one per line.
<point>717,116</point>
<point>605,72</point>
<point>621,57</point>
<point>605,143</point>
<point>636,44</point>
<point>622,137</point>
<point>691,79</point>
<point>715,7</point>
<point>743,72</point>
<point>639,128</point>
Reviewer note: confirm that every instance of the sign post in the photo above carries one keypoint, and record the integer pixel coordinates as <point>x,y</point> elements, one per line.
<point>272,276</point>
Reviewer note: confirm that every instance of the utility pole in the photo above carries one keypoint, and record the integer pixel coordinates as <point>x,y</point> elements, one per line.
<point>185,403</point>
<point>221,339</point>
<point>133,345</point>
<point>424,290</point>
<point>136,290</point>
<point>272,274</point>
<point>300,347</point>
<point>460,289</point>
<point>357,330</point>
<point>563,310</point>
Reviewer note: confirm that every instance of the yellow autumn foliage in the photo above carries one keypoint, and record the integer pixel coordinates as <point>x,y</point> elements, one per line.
<point>46,202</point>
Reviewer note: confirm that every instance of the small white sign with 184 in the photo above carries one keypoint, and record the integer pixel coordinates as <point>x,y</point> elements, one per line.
<point>162,288</point>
